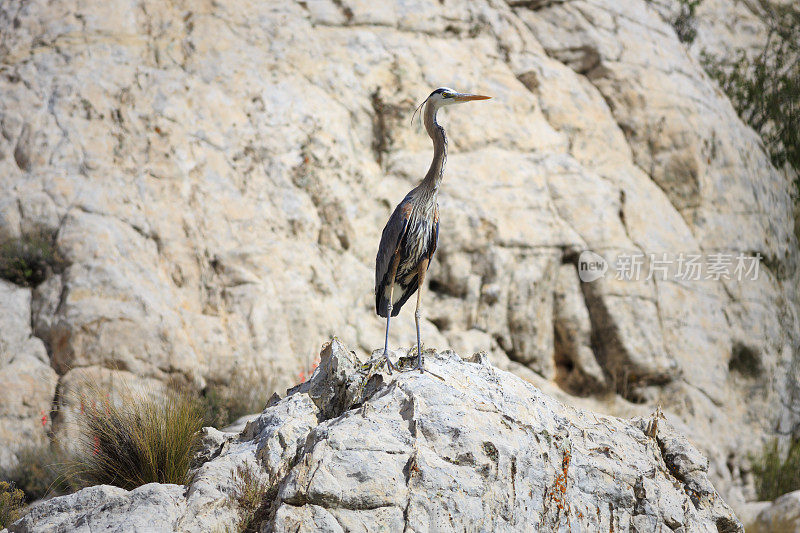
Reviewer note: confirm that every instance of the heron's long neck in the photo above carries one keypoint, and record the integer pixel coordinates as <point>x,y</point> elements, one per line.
<point>434,176</point>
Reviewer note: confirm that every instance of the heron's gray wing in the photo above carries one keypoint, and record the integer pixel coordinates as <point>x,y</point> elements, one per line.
<point>391,239</point>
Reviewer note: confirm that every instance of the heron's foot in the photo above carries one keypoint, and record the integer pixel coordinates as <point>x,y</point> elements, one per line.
<point>418,362</point>
<point>389,365</point>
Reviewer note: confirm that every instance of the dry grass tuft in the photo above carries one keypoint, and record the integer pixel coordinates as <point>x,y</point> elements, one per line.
<point>253,496</point>
<point>142,438</point>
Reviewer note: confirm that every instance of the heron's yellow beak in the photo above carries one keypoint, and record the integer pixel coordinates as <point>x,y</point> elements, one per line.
<point>469,97</point>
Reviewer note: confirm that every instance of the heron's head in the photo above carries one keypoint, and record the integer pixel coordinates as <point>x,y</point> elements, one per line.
<point>445,96</point>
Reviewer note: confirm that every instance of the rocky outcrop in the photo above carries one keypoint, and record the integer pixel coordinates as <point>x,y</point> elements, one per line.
<point>464,446</point>
<point>26,377</point>
<point>217,191</point>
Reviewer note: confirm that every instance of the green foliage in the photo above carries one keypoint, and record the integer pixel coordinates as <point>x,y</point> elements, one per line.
<point>777,473</point>
<point>224,404</point>
<point>40,472</point>
<point>29,259</point>
<point>765,90</point>
<point>253,496</point>
<point>141,439</point>
<point>12,501</point>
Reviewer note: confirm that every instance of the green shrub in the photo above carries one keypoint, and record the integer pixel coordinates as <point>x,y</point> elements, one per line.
<point>141,439</point>
<point>224,404</point>
<point>765,90</point>
<point>12,501</point>
<point>252,496</point>
<point>29,259</point>
<point>40,472</point>
<point>777,473</point>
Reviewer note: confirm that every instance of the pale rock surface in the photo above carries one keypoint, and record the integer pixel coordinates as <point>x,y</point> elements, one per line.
<point>218,191</point>
<point>151,507</point>
<point>782,515</point>
<point>27,381</point>
<point>747,512</point>
<point>464,447</point>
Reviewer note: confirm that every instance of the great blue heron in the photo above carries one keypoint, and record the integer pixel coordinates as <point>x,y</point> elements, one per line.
<point>410,237</point>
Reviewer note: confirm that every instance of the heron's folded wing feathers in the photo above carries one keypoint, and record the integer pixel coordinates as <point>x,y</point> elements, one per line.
<point>391,239</point>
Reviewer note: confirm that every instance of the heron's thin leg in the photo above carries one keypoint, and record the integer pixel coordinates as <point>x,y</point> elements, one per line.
<point>421,270</point>
<point>386,340</point>
<point>392,274</point>
<point>389,364</point>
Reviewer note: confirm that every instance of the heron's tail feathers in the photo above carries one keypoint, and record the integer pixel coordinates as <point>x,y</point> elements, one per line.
<point>401,295</point>
<point>382,306</point>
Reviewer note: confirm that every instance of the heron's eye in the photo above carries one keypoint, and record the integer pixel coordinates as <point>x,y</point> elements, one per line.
<point>448,95</point>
